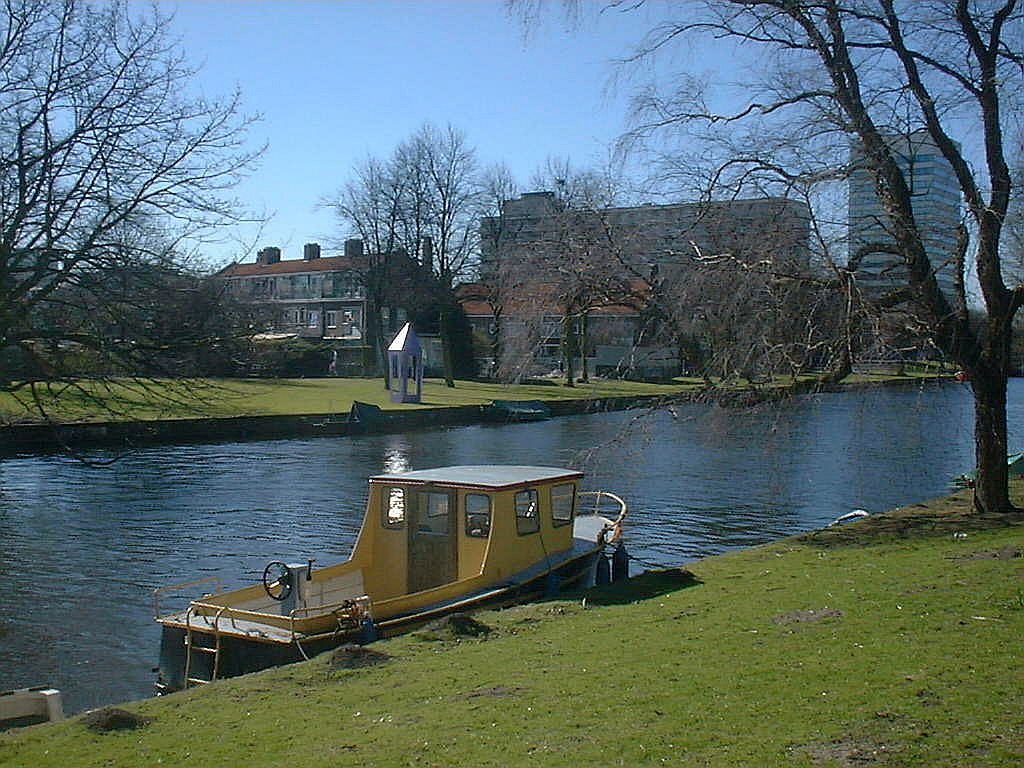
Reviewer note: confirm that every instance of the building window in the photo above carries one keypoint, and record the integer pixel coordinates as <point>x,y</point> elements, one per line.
<point>527,517</point>
<point>478,515</point>
<point>313,319</point>
<point>331,317</point>
<point>394,507</point>
<point>563,500</point>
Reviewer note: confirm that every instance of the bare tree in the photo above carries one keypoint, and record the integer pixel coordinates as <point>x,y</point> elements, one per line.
<point>1015,212</point>
<point>577,253</point>
<point>497,184</point>
<point>372,205</point>
<point>453,191</point>
<point>834,74</point>
<point>108,169</point>
<point>420,203</point>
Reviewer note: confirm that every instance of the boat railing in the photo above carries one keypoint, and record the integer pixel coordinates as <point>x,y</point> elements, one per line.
<point>605,504</point>
<point>349,614</point>
<point>159,591</point>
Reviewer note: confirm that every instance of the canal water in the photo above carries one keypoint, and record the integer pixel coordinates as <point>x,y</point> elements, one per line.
<point>83,545</point>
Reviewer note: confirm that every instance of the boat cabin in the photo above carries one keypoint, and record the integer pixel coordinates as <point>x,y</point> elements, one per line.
<point>426,536</point>
<point>432,527</point>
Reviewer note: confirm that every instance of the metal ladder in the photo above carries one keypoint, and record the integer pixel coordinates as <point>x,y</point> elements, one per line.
<point>191,646</point>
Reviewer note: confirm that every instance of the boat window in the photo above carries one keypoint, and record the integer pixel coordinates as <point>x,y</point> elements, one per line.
<point>478,515</point>
<point>527,518</point>
<point>394,507</point>
<point>563,501</point>
<point>435,505</point>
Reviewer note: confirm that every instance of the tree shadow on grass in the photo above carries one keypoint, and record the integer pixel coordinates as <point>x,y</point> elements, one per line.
<point>647,585</point>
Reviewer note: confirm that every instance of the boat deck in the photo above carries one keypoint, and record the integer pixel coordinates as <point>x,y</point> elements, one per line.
<point>587,531</point>
<point>244,628</point>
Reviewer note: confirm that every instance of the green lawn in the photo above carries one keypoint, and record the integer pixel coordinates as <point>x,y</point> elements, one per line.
<point>148,399</point>
<point>895,642</point>
<point>144,399</point>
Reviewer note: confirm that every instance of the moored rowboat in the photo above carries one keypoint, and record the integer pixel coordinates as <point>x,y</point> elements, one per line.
<point>29,706</point>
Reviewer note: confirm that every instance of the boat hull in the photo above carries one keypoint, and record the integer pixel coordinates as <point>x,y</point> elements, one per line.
<point>239,655</point>
<point>30,706</point>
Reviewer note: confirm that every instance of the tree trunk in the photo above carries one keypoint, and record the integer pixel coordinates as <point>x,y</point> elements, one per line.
<point>842,366</point>
<point>568,349</point>
<point>446,346</point>
<point>374,339</point>
<point>991,493</point>
<point>584,375</point>
<point>496,362</point>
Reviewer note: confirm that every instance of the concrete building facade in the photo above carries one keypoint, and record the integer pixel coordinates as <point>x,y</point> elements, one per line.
<point>936,202</point>
<point>542,260</point>
<point>666,235</point>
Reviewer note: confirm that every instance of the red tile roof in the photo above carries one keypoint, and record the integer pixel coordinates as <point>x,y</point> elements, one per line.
<point>472,307</point>
<point>294,266</point>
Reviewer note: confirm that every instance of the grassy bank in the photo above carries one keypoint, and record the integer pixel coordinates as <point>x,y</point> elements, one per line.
<point>895,641</point>
<point>223,398</point>
<point>288,397</point>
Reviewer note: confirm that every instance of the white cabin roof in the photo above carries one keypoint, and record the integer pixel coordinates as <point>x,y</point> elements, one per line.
<point>485,476</point>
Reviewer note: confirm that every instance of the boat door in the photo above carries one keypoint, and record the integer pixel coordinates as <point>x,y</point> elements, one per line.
<point>433,553</point>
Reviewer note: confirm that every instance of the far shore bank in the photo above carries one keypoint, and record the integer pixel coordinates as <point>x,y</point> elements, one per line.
<point>63,436</point>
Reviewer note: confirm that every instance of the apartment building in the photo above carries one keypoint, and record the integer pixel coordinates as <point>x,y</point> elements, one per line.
<point>936,203</point>
<point>537,227</point>
<point>541,259</point>
<point>312,297</point>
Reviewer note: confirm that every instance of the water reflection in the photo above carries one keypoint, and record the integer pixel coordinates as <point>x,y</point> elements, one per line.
<point>396,456</point>
<point>82,547</point>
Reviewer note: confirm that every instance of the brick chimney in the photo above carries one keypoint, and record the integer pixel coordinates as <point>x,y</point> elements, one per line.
<point>427,253</point>
<point>269,255</point>
<point>311,251</point>
<point>353,248</point>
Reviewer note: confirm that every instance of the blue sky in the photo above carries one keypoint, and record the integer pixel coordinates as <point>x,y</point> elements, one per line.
<point>337,81</point>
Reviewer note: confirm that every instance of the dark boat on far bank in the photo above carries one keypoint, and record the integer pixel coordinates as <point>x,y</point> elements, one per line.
<point>516,410</point>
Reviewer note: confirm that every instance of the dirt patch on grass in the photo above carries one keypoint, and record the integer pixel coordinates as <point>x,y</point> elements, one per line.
<point>845,752</point>
<point>454,627</point>
<point>113,719</point>
<point>496,692</point>
<point>1009,552</point>
<point>356,657</point>
<point>529,613</point>
<point>814,614</point>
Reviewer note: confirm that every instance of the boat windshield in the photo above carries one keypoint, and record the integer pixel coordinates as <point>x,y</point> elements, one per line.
<point>478,515</point>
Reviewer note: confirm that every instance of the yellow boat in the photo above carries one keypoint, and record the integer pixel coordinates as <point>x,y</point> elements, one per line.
<point>432,542</point>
